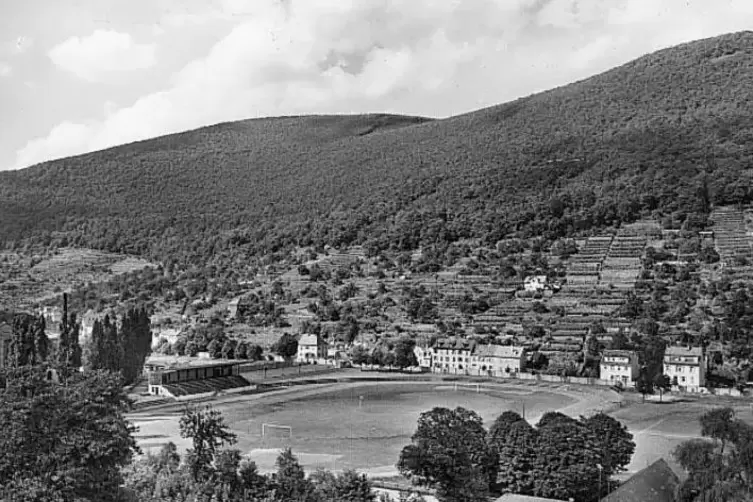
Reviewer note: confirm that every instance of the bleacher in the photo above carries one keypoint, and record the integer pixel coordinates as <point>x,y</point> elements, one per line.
<point>217,384</point>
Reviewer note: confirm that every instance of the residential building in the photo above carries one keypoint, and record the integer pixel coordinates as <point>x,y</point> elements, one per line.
<point>453,355</point>
<point>534,283</point>
<point>498,360</point>
<point>311,348</point>
<point>5,336</point>
<point>424,356</point>
<point>656,483</point>
<point>687,365</point>
<point>619,366</point>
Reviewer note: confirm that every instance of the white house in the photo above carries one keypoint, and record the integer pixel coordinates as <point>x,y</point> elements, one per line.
<point>688,365</point>
<point>424,356</point>
<point>498,360</point>
<point>619,366</point>
<point>6,333</point>
<point>453,356</point>
<point>311,348</point>
<point>534,283</point>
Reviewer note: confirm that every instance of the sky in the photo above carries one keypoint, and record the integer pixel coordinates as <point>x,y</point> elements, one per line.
<point>82,75</point>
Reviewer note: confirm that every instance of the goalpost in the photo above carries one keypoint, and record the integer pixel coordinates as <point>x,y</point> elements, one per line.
<point>265,427</point>
<point>471,386</point>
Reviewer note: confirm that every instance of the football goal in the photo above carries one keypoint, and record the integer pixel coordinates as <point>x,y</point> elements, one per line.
<point>276,431</point>
<point>468,386</point>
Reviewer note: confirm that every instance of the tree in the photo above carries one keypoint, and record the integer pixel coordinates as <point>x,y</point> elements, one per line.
<point>644,384</point>
<point>348,486</point>
<point>662,383</point>
<point>192,349</point>
<point>566,461</point>
<point>514,441</point>
<point>359,355</point>
<point>449,451</point>
<point>404,355</point>
<point>614,442</point>
<point>286,346</point>
<point>63,442</point>
<point>28,343</point>
<point>208,432</point>
<point>228,349</point>
<point>290,481</point>
<point>215,349</point>
<point>254,352</point>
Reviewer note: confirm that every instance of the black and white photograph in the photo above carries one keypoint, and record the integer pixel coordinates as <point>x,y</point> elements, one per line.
<point>376,250</point>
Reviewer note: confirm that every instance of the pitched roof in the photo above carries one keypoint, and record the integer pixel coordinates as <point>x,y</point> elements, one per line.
<point>454,344</point>
<point>308,340</point>
<point>502,351</point>
<point>656,483</point>
<point>683,351</point>
<point>5,331</point>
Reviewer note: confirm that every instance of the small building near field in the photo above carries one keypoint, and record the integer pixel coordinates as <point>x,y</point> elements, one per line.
<point>310,349</point>
<point>686,367</point>
<point>195,380</point>
<point>498,360</point>
<point>619,366</point>
<point>424,356</point>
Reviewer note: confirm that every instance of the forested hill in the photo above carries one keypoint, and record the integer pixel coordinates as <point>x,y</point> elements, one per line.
<point>666,134</point>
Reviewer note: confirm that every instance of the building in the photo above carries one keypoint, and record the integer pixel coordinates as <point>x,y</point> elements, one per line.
<point>453,355</point>
<point>498,360</point>
<point>424,356</point>
<point>534,283</point>
<point>656,483</point>
<point>5,335</point>
<point>311,348</point>
<point>685,367</point>
<point>619,366</point>
<point>191,381</point>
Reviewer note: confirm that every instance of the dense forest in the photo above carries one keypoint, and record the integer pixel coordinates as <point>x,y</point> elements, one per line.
<point>666,135</point>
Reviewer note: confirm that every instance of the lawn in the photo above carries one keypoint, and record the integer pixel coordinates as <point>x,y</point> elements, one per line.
<point>355,425</point>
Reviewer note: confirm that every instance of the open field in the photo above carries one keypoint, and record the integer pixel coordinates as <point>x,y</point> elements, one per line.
<point>333,428</point>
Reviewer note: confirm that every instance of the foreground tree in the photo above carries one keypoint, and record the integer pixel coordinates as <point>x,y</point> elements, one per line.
<point>208,432</point>
<point>290,481</point>
<point>63,442</point>
<point>719,469</point>
<point>614,442</point>
<point>449,451</point>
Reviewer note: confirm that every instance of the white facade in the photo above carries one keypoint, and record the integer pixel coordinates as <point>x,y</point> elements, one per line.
<point>687,365</point>
<point>424,356</point>
<point>534,283</point>
<point>498,360</point>
<point>310,349</point>
<point>453,356</point>
<point>619,366</point>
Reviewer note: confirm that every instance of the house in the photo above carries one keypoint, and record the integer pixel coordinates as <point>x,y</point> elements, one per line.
<point>424,356</point>
<point>453,355</point>
<point>498,360</point>
<point>656,483</point>
<point>686,367</point>
<point>619,366</point>
<point>232,308</point>
<point>5,336</point>
<point>534,283</point>
<point>311,348</point>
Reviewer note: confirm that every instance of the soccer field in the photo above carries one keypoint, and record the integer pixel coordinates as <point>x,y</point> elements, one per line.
<point>356,425</point>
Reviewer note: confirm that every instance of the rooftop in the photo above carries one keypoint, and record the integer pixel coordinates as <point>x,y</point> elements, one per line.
<point>512,497</point>
<point>309,340</point>
<point>498,351</point>
<point>683,351</point>
<point>656,483</point>
<point>454,344</point>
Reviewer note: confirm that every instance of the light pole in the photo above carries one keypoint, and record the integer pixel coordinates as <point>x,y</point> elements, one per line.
<point>601,469</point>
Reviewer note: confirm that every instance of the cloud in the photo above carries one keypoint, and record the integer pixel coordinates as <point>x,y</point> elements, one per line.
<point>429,57</point>
<point>5,69</point>
<point>102,54</point>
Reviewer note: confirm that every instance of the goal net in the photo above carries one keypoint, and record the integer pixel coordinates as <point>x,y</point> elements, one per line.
<point>276,431</point>
<point>474,387</point>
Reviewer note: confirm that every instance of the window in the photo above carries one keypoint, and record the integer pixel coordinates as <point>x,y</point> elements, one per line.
<point>682,379</point>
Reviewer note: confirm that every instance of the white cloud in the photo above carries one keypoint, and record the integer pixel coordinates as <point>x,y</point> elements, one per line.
<point>23,44</point>
<point>102,54</point>
<point>431,57</point>
<point>5,69</point>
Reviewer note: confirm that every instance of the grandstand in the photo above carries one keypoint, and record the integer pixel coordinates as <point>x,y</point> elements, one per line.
<point>197,380</point>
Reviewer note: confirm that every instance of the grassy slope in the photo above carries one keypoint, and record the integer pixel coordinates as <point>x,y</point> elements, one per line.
<point>651,126</point>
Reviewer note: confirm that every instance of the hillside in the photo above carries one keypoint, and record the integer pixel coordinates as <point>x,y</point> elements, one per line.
<point>663,136</point>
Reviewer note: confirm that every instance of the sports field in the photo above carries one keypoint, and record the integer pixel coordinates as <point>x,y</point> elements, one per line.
<point>350,425</point>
